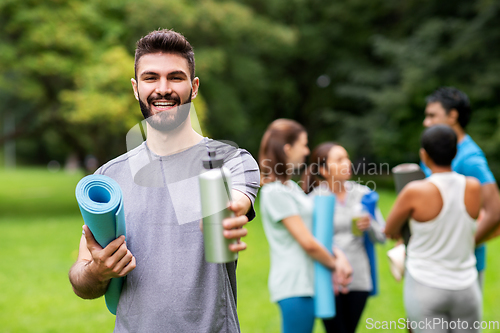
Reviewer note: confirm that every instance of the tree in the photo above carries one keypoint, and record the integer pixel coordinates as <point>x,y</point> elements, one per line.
<point>355,72</point>
<point>73,61</point>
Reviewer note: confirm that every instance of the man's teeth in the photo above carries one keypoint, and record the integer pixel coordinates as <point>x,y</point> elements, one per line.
<point>164,103</point>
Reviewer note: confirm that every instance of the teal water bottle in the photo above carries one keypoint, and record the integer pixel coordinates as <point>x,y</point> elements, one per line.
<point>215,193</point>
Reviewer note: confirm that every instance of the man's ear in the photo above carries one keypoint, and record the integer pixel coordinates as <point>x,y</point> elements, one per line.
<point>424,157</point>
<point>134,86</point>
<point>453,117</point>
<point>195,85</point>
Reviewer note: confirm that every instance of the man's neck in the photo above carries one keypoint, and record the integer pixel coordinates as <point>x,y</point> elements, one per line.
<point>177,140</point>
<point>459,131</point>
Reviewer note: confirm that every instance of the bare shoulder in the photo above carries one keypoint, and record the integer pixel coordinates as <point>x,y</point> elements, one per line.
<point>419,187</point>
<point>424,199</point>
<point>472,184</point>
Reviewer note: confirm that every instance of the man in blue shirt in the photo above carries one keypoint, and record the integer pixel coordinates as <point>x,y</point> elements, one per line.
<point>450,106</point>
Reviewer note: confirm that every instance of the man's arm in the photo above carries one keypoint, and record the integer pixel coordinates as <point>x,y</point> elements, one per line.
<point>95,266</point>
<point>491,212</point>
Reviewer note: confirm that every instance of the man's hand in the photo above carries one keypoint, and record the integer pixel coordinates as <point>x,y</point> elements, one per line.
<point>114,261</point>
<point>233,226</point>
<point>363,223</point>
<point>95,266</point>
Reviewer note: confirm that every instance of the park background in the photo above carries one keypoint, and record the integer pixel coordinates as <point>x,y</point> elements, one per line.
<point>353,71</point>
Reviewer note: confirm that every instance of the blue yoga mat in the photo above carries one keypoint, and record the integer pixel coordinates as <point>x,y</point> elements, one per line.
<point>369,201</point>
<point>101,204</point>
<point>324,299</point>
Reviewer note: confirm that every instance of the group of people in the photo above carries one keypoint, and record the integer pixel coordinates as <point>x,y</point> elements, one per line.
<point>286,211</point>
<point>445,258</point>
<point>169,287</point>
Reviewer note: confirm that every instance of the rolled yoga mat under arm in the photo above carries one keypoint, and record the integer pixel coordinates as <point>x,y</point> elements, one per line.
<point>101,203</point>
<point>324,299</point>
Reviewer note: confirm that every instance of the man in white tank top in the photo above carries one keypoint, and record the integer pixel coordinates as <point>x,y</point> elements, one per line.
<point>441,292</point>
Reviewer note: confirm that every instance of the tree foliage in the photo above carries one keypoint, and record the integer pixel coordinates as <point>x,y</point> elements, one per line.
<point>356,72</point>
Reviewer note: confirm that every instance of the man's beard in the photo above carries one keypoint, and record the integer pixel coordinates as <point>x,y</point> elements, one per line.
<point>166,121</point>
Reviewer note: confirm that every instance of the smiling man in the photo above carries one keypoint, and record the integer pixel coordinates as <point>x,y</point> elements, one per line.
<point>450,106</point>
<point>169,287</point>
<point>168,90</point>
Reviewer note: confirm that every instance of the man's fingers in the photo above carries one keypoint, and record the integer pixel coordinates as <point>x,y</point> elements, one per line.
<point>124,261</point>
<point>128,268</point>
<point>92,244</point>
<point>118,255</point>
<point>114,246</point>
<point>240,246</point>
<point>117,264</point>
<point>235,233</point>
<point>240,204</point>
<point>234,222</point>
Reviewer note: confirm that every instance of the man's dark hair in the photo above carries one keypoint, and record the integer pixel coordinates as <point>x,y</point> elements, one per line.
<point>452,98</point>
<point>167,41</point>
<point>440,143</point>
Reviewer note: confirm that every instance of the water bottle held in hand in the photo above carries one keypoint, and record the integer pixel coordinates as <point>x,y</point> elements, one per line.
<point>215,193</point>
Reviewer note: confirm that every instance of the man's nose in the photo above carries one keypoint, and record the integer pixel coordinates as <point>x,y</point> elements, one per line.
<point>427,122</point>
<point>163,87</point>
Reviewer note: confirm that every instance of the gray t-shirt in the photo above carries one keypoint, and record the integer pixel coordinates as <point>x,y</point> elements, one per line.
<point>173,288</point>
<point>292,270</point>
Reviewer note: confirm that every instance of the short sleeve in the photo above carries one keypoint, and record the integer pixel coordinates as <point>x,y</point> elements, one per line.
<point>278,203</point>
<point>476,166</point>
<point>99,171</point>
<point>245,174</point>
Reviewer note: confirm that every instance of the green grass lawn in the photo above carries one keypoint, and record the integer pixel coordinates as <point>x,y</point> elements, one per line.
<point>40,227</point>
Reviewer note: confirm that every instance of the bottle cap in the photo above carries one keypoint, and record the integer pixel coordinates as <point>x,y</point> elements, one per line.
<point>211,161</point>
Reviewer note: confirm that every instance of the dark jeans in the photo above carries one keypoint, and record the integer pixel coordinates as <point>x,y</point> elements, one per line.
<point>349,308</point>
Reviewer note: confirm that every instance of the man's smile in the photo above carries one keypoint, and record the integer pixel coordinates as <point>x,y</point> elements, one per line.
<point>163,105</point>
